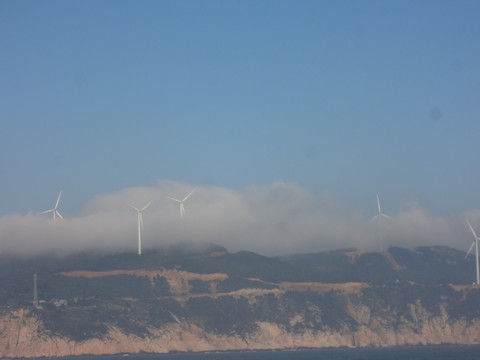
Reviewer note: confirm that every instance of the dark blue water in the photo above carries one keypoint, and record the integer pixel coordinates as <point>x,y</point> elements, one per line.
<point>398,353</point>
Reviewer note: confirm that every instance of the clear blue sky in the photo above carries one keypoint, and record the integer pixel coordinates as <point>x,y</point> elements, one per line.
<point>352,98</point>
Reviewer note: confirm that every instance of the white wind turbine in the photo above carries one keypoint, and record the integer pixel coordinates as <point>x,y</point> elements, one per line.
<point>54,211</point>
<point>475,242</point>
<point>140,224</point>
<point>379,216</point>
<point>182,208</point>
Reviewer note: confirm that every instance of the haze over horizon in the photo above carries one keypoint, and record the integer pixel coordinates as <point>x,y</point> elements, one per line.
<point>288,117</point>
<point>276,219</point>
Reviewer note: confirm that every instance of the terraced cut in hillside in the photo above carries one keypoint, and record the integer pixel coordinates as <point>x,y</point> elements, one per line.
<point>213,300</point>
<point>179,283</point>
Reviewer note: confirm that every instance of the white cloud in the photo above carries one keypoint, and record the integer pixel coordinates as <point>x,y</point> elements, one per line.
<point>274,219</point>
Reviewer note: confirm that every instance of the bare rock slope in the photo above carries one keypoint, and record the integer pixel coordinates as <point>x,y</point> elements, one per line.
<point>212,300</point>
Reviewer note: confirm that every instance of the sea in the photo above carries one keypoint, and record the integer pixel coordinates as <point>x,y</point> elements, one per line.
<point>442,352</point>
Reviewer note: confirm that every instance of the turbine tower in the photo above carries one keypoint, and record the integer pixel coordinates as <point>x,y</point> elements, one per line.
<point>35,293</point>
<point>378,217</point>
<point>182,208</point>
<point>475,242</point>
<point>54,211</point>
<point>140,225</point>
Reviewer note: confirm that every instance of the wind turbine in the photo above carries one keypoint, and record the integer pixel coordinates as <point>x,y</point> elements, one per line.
<point>379,216</point>
<point>140,224</point>
<point>54,211</point>
<point>475,242</point>
<point>182,208</point>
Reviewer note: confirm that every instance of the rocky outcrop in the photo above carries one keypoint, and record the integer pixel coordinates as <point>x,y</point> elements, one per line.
<point>202,302</point>
<point>22,334</point>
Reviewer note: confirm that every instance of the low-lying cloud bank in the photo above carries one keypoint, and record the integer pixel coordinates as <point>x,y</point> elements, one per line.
<point>275,219</point>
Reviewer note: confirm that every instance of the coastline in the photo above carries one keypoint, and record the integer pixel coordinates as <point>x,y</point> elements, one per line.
<point>348,351</point>
<point>23,336</point>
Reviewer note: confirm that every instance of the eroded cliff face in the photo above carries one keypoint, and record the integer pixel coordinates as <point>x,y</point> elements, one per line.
<point>22,334</point>
<point>220,301</point>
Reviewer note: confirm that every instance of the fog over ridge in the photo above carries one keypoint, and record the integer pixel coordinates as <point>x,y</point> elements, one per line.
<point>274,219</point>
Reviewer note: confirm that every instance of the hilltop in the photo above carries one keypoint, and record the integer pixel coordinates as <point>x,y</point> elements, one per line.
<point>197,299</point>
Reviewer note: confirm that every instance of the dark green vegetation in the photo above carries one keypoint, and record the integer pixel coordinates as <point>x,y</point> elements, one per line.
<point>81,307</point>
<point>426,265</point>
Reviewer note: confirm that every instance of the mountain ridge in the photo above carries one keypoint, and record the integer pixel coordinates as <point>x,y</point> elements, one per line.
<point>179,299</point>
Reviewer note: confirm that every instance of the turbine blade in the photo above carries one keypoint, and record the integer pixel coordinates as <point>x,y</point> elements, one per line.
<point>373,218</point>
<point>146,206</point>
<point>46,211</point>
<point>133,207</point>
<point>471,229</point>
<point>186,197</point>
<point>470,249</point>
<point>386,216</point>
<point>173,199</point>
<point>58,214</point>
<point>378,205</point>
<point>58,199</point>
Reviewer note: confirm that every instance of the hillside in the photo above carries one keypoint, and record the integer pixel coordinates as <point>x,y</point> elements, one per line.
<point>198,299</point>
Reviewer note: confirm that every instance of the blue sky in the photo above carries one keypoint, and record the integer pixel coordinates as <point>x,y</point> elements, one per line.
<point>345,98</point>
